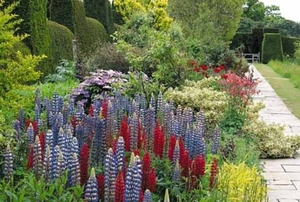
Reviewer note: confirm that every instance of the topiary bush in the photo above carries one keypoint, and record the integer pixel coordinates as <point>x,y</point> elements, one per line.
<point>289,45</point>
<point>61,38</point>
<point>39,34</point>
<point>106,56</point>
<point>100,10</point>
<point>96,32</point>
<point>61,12</point>
<point>272,47</point>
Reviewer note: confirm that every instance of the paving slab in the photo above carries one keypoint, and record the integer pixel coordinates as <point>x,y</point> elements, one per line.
<point>282,175</point>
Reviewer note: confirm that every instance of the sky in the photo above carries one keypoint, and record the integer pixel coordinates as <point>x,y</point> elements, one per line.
<point>289,9</point>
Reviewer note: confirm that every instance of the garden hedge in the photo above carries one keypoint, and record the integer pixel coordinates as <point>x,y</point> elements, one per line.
<point>271,30</point>
<point>288,45</point>
<point>100,10</point>
<point>40,39</point>
<point>61,12</point>
<point>272,47</point>
<point>61,38</point>
<point>96,31</point>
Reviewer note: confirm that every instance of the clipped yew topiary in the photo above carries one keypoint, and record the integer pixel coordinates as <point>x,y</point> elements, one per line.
<point>61,12</point>
<point>39,34</point>
<point>96,31</point>
<point>102,11</point>
<point>289,45</point>
<point>272,47</point>
<point>61,38</point>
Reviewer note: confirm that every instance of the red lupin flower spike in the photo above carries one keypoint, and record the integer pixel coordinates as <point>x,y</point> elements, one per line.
<point>100,181</point>
<point>213,173</point>
<point>151,181</point>
<point>120,187</point>
<point>30,159</point>
<point>124,132</point>
<point>172,143</point>
<point>104,108</point>
<point>145,169</point>
<point>84,164</point>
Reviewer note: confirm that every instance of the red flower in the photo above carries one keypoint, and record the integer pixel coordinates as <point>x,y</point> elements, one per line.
<point>42,142</point>
<point>199,166</point>
<point>35,127</point>
<point>192,63</point>
<point>124,132</point>
<point>120,187</point>
<point>204,67</point>
<point>100,181</point>
<point>184,163</point>
<point>27,123</point>
<point>172,143</point>
<point>151,181</point>
<point>196,69</point>
<point>213,173</point>
<point>217,70</point>
<point>104,108</point>
<point>222,67</point>
<point>225,76</point>
<point>159,140</point>
<point>141,196</point>
<point>145,169</point>
<point>91,111</point>
<point>30,159</point>
<point>84,164</point>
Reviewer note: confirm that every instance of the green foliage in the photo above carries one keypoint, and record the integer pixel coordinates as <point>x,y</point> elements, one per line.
<point>81,27</point>
<point>39,34</point>
<point>32,189</point>
<point>15,68</point>
<point>22,47</point>
<point>64,71</point>
<point>241,183</point>
<point>270,30</point>
<point>106,56</point>
<point>159,54</point>
<point>96,31</point>
<point>272,47</point>
<point>100,10</point>
<point>289,46</point>
<point>61,38</point>
<point>60,11</point>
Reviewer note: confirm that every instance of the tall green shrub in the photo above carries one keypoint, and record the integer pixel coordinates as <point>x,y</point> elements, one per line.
<point>61,38</point>
<point>102,11</point>
<point>272,47</point>
<point>39,34</point>
<point>289,45</point>
<point>61,12</point>
<point>96,31</point>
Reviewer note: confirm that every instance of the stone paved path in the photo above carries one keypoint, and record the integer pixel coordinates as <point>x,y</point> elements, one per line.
<point>282,175</point>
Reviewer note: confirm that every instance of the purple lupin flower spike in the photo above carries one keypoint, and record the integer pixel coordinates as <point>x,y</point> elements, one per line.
<point>30,135</point>
<point>68,150</point>
<point>55,172</point>
<point>61,165</point>
<point>216,141</point>
<point>133,125</point>
<point>47,163</point>
<point>75,146</point>
<point>61,142</point>
<point>22,119</point>
<point>120,153</point>
<point>110,175</point>
<point>91,189</point>
<point>147,196</point>
<point>176,172</point>
<point>17,127</point>
<point>74,171</point>
<point>133,179</point>
<point>98,148</point>
<point>176,152</point>
<point>49,140</point>
<point>37,157</point>
<point>8,162</point>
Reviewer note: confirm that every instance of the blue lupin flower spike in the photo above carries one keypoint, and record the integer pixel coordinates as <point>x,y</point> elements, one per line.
<point>137,178</point>
<point>147,196</point>
<point>74,171</point>
<point>37,157</point>
<point>8,162</point>
<point>17,127</point>
<point>110,175</point>
<point>30,135</point>
<point>91,189</point>
<point>120,153</point>
<point>176,172</point>
<point>216,141</point>
<point>47,163</point>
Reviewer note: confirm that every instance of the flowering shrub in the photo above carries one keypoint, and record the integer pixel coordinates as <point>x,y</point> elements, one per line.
<point>199,96</point>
